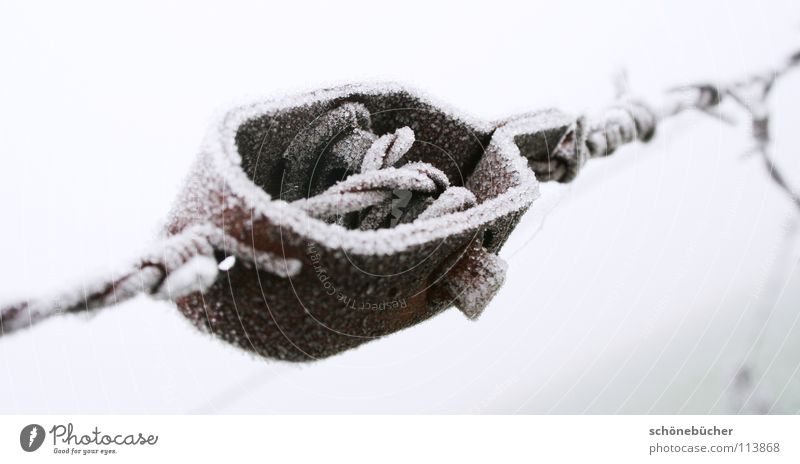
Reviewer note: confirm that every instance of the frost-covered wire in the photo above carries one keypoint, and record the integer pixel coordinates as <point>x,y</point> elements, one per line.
<point>630,120</point>
<point>185,263</point>
<point>173,267</point>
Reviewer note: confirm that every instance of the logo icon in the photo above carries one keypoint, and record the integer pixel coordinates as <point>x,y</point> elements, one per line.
<point>31,437</point>
<point>399,203</point>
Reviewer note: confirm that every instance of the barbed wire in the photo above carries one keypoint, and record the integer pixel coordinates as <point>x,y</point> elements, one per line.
<point>179,265</point>
<point>632,119</point>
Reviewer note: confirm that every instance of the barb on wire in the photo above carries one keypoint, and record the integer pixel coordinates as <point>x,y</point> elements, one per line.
<point>751,95</point>
<point>631,120</point>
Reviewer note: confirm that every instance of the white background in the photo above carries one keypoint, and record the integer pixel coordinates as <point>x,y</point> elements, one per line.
<point>653,280</point>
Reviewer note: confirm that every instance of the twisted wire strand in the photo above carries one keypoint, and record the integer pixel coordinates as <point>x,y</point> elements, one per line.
<point>170,269</point>
<point>375,186</point>
<point>360,191</point>
<point>634,120</point>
